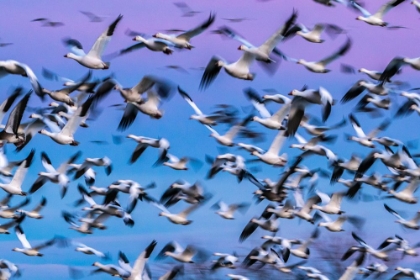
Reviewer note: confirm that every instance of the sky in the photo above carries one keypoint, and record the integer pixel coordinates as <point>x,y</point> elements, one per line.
<point>37,46</point>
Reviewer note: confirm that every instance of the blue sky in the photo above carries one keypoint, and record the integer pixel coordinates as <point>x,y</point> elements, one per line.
<point>41,47</point>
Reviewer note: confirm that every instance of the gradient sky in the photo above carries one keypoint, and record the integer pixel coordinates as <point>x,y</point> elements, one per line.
<point>373,47</point>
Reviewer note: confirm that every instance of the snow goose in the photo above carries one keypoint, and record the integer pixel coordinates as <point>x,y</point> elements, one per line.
<point>180,218</point>
<point>139,269</point>
<point>227,138</point>
<point>381,103</point>
<point>93,58</point>
<point>17,68</point>
<point>320,96</point>
<point>14,187</point>
<point>352,165</point>
<point>407,195</point>
<point>89,162</point>
<point>109,207</point>
<point>65,135</point>
<point>313,273</point>
<point>171,274</point>
<point>134,94</point>
<point>199,116</point>
<point>4,228</point>
<point>10,133</point>
<point>175,251</point>
<point>320,66</point>
<point>180,190</point>
<point>362,138</point>
<point>406,272</point>
<point>62,95</point>
<point>149,107</point>
<point>266,256</point>
<point>236,277</point>
<point>272,156</point>
<point>12,212</point>
<point>313,35</point>
<point>396,161</point>
<point>27,248</point>
<point>337,225</point>
<point>403,244</point>
<point>364,247</point>
<point>135,191</point>
<point>240,68</point>
<point>263,52</point>
<point>111,269</point>
<point>274,121</point>
<point>227,211</point>
<point>375,75</point>
<point>8,270</point>
<point>57,176</point>
<point>48,23</point>
<point>283,212</point>
<point>316,130</point>
<point>375,19</point>
<point>92,17</point>
<point>333,203</point>
<point>303,210</point>
<point>80,247</point>
<point>185,9</point>
<point>266,221</point>
<point>35,213</point>
<point>181,163</point>
<point>224,260</point>
<point>303,251</point>
<point>144,142</point>
<point>412,224</point>
<point>90,174</point>
<point>286,244</point>
<point>183,40</point>
<point>84,227</point>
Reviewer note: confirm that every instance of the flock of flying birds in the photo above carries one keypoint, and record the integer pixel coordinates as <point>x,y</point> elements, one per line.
<point>293,196</point>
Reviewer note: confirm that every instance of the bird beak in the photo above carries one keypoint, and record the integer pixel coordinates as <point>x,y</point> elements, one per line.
<point>290,93</point>
<point>240,47</point>
<point>65,55</point>
<point>134,39</point>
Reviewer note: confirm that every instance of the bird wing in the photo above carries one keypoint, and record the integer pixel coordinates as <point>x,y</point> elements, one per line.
<point>190,101</point>
<point>271,43</point>
<point>386,7</point>
<point>257,101</point>
<point>361,9</point>
<point>73,123</point>
<point>282,112</point>
<point>393,212</point>
<point>210,73</point>
<point>197,30</point>
<point>63,167</point>
<point>227,31</point>
<point>342,51</point>
<point>22,170</point>
<point>75,46</point>
<point>22,238</point>
<point>140,262</point>
<point>189,209</point>
<point>130,114</point>
<point>16,115</point>
<point>244,61</point>
<point>356,125</point>
<point>101,43</point>
<point>278,142</point>
<point>46,162</point>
